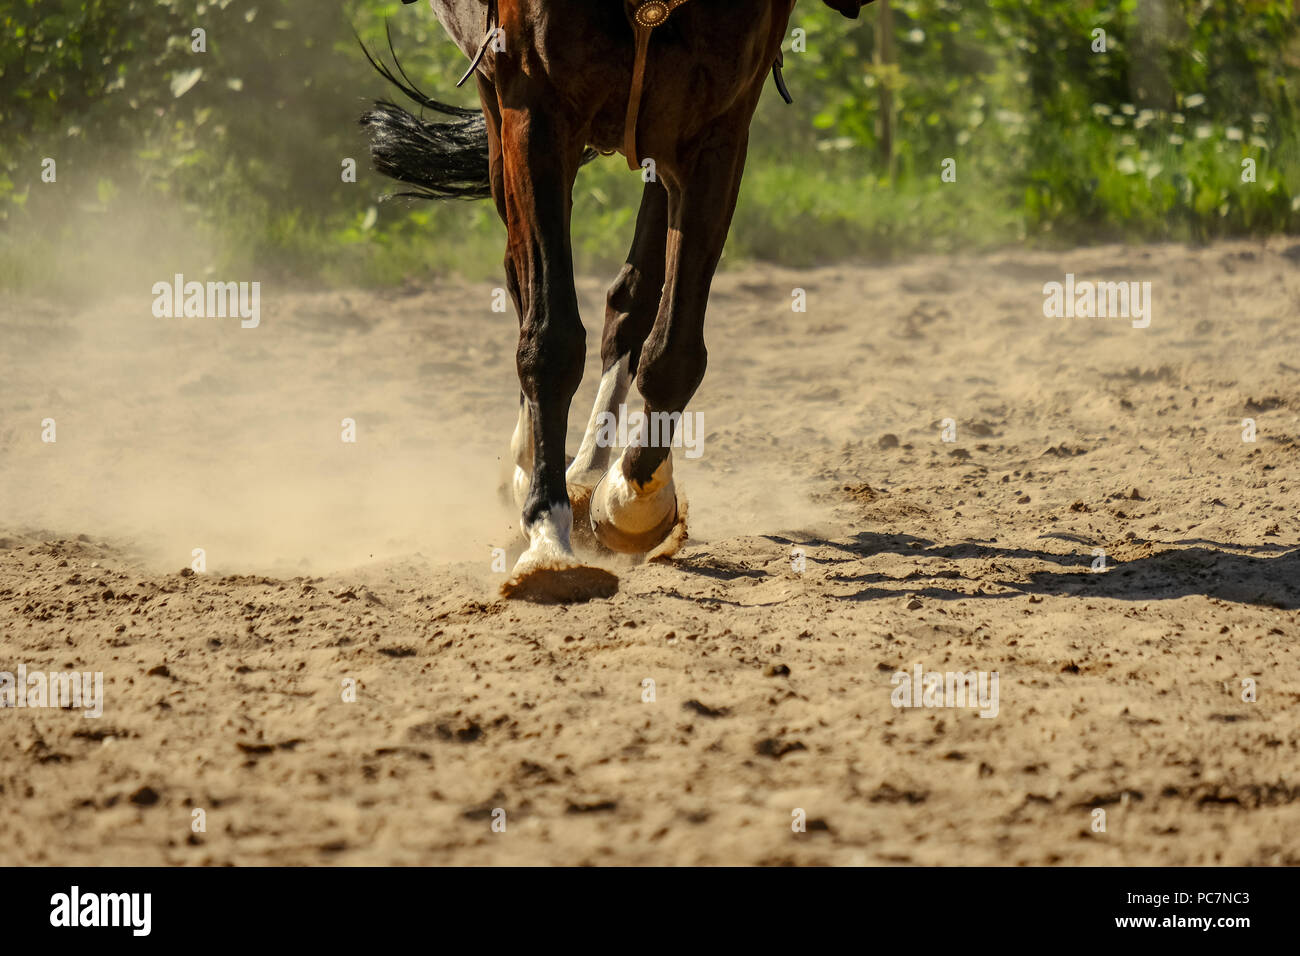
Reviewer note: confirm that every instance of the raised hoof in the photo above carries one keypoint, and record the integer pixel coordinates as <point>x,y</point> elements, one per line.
<point>668,531</point>
<point>554,583</point>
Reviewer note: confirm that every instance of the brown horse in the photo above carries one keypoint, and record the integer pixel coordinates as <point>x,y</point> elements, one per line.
<point>673,84</point>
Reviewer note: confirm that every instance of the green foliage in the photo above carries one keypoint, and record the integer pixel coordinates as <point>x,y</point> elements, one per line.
<point>234,154</point>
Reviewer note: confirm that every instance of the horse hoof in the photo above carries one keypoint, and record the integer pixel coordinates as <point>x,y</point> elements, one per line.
<point>633,525</point>
<point>554,582</point>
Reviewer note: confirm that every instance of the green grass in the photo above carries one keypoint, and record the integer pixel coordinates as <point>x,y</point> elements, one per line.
<point>1162,182</point>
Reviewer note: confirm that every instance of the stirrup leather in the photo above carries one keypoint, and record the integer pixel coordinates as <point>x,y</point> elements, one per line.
<point>646,15</point>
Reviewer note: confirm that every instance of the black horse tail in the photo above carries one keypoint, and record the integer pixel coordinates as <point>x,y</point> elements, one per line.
<point>445,158</point>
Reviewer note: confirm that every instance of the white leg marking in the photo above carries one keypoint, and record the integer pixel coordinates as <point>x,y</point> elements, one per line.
<point>548,536</point>
<point>521,449</point>
<point>593,458</point>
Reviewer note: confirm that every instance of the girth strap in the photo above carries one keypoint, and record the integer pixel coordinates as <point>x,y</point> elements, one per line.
<point>646,15</point>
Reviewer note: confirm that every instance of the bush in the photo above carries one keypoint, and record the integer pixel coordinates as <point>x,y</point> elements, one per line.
<point>234,154</point>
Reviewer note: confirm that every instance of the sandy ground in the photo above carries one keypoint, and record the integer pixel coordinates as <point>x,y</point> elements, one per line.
<point>327,562</point>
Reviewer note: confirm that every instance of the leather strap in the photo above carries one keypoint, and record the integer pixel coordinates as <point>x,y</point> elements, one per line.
<point>780,79</point>
<point>646,15</point>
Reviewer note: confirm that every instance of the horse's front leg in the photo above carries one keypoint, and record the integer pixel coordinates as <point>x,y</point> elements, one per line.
<point>540,158</point>
<point>630,309</point>
<point>635,506</point>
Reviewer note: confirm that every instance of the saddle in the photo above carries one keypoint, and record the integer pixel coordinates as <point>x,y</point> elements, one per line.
<point>645,16</point>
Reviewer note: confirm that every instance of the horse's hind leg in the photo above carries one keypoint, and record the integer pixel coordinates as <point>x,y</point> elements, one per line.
<point>634,508</point>
<point>539,163</point>
<point>630,309</point>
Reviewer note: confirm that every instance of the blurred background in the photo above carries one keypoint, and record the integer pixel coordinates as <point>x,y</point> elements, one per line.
<point>168,158</point>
